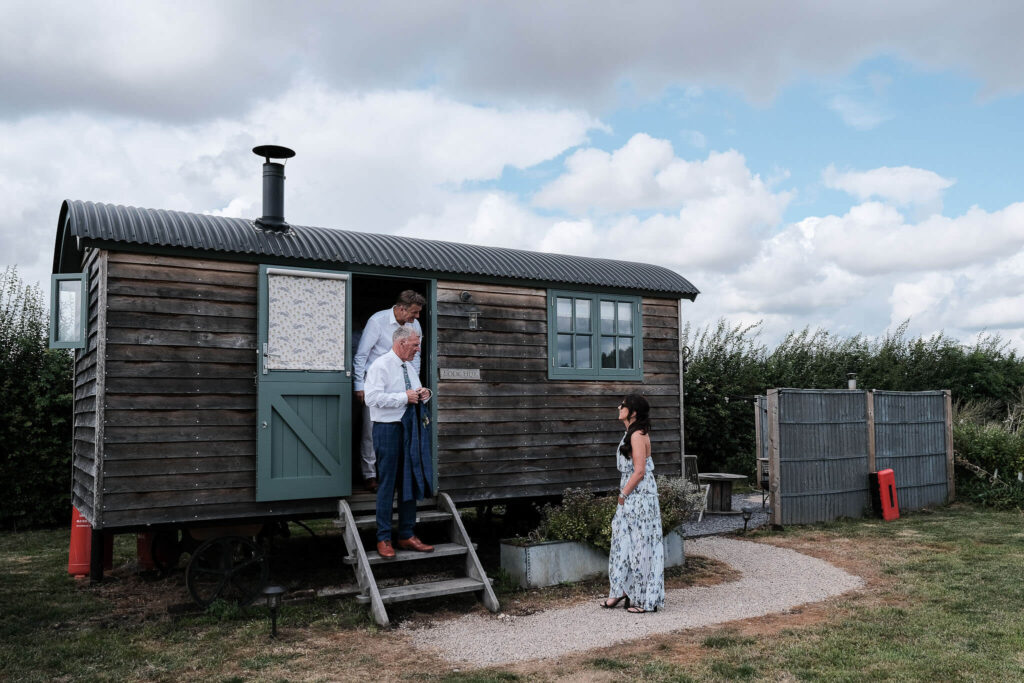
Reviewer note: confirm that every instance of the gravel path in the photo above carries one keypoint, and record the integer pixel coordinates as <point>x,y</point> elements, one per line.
<point>774,580</point>
<point>720,524</point>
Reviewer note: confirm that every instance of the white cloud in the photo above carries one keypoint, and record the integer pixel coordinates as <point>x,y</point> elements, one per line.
<point>189,59</point>
<point>368,161</point>
<point>857,113</point>
<point>919,300</point>
<point>903,185</point>
<point>873,238</point>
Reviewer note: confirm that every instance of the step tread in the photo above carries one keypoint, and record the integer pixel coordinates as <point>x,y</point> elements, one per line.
<point>431,589</point>
<point>422,517</point>
<point>440,550</point>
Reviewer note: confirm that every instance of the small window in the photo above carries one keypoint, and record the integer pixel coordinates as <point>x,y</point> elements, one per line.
<point>69,295</point>
<point>594,336</point>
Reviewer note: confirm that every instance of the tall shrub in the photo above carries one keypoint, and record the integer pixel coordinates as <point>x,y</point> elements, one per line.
<point>35,411</point>
<point>729,365</point>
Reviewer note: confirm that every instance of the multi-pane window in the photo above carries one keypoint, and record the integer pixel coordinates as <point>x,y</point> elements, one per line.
<point>594,336</point>
<point>68,308</point>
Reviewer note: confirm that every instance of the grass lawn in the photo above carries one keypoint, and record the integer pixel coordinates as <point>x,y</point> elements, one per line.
<point>944,601</point>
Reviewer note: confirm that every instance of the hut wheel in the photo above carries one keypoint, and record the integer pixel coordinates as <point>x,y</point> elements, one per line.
<point>231,568</point>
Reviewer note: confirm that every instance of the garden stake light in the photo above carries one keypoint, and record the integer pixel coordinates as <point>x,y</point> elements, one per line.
<point>273,595</point>
<point>747,512</point>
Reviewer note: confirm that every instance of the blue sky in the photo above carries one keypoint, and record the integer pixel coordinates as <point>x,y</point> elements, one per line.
<point>803,163</point>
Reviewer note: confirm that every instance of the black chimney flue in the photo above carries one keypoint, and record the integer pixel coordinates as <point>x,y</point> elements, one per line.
<point>273,186</point>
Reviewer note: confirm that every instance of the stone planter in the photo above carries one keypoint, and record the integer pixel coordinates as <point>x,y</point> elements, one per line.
<point>552,562</point>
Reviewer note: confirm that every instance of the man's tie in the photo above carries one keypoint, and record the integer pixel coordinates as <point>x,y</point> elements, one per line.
<point>405,376</point>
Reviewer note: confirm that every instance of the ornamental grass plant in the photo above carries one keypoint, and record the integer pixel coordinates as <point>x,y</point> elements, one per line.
<point>585,517</point>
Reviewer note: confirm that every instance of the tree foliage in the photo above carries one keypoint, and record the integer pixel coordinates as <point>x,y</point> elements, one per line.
<point>35,411</point>
<point>729,365</point>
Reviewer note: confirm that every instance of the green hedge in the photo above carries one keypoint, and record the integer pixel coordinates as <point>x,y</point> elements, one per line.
<point>35,412</point>
<point>728,365</point>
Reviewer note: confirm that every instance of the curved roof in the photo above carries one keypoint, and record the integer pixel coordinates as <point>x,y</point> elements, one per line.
<point>82,223</point>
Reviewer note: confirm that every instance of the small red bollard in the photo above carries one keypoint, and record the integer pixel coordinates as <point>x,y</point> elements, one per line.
<point>81,543</point>
<point>883,494</point>
<point>79,552</point>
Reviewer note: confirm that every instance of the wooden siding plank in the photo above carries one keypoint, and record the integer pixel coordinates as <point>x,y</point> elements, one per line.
<point>151,337</point>
<point>144,370</point>
<point>186,262</point>
<point>456,402</point>
<point>180,433</point>
<point>450,324</point>
<point>209,464</point>
<point>459,287</point>
<point>495,312</point>
<point>171,450</point>
<point>537,388</point>
<point>181,401</point>
<point>162,418</point>
<point>191,290</point>
<point>221,513</point>
<point>451,348</point>
<point>523,299</point>
<point>196,385</point>
<point>141,304</point>
<point>505,441</point>
<point>179,354</point>
<point>187,484</point>
<point>148,322</point>
<point>539,416</point>
<point>205,276</point>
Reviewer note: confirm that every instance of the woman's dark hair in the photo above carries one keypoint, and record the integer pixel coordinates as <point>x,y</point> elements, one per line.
<point>638,405</point>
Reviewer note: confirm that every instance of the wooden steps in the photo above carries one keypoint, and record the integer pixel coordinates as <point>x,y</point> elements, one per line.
<point>364,522</point>
<point>429,589</point>
<point>440,550</point>
<point>363,560</point>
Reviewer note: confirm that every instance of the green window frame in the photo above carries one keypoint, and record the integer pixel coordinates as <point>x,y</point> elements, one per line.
<point>593,335</point>
<point>69,310</point>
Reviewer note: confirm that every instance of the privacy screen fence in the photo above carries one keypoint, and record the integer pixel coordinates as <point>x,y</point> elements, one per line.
<point>820,444</point>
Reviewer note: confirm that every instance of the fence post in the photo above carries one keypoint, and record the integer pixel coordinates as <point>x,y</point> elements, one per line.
<point>950,474</point>
<point>774,488</point>
<point>870,397</point>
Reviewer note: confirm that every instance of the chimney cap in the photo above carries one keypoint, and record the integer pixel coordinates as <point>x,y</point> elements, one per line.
<point>269,152</point>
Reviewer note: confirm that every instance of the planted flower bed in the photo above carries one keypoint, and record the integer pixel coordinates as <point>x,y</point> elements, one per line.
<point>573,539</point>
<point>535,564</point>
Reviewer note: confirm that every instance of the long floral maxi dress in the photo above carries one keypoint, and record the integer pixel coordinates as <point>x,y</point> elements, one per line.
<point>636,564</point>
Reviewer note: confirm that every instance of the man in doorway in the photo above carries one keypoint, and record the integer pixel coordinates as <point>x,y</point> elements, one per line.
<point>392,393</point>
<point>374,343</point>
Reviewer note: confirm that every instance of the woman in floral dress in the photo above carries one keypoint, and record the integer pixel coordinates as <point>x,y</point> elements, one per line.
<point>636,565</point>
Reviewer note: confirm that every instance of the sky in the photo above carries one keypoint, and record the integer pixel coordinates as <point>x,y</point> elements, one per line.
<point>840,165</point>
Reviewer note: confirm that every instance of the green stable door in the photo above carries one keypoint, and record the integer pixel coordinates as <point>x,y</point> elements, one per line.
<point>304,384</point>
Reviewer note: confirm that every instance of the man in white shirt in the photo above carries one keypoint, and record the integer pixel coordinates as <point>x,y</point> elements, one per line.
<point>374,343</point>
<point>390,390</point>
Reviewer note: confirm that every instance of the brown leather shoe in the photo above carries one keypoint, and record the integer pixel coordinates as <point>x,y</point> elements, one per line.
<point>371,484</point>
<point>413,543</point>
<point>385,550</point>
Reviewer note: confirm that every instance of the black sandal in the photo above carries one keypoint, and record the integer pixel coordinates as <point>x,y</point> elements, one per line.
<point>637,610</point>
<point>615,602</point>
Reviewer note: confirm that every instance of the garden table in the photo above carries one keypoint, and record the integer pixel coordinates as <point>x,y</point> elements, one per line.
<point>720,490</point>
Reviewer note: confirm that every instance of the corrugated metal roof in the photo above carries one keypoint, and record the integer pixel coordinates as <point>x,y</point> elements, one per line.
<point>90,221</point>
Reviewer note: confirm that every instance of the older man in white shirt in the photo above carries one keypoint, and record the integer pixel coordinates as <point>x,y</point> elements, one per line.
<point>391,389</point>
<point>374,343</point>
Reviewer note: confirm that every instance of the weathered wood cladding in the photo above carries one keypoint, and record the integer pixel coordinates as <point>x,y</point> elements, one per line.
<point>514,433</point>
<point>180,399</point>
<point>174,396</point>
<point>83,442</point>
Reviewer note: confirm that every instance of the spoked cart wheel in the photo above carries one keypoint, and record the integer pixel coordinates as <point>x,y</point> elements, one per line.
<point>231,568</point>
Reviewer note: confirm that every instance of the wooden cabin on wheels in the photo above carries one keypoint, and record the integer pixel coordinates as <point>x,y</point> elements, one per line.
<point>213,367</point>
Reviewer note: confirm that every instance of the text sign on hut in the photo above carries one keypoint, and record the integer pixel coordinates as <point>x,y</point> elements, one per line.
<point>460,373</point>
